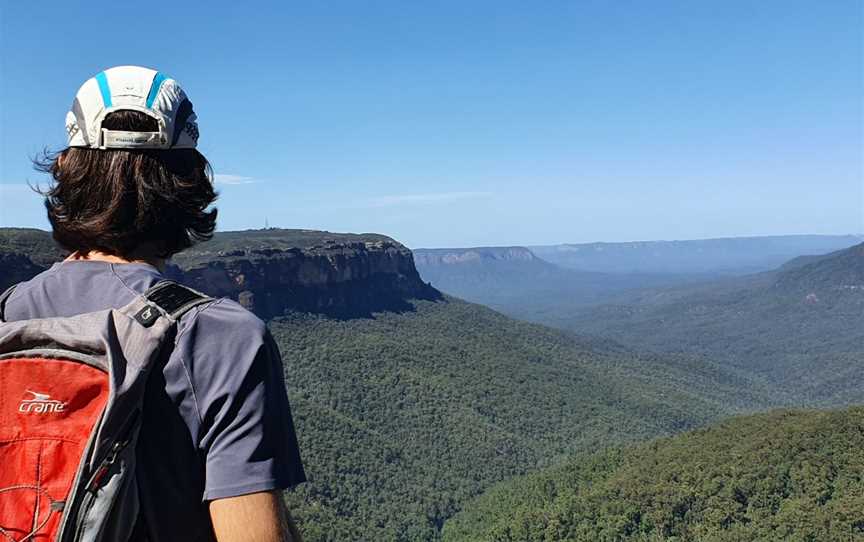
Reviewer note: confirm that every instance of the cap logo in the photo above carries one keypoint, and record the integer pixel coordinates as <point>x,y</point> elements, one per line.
<point>192,130</point>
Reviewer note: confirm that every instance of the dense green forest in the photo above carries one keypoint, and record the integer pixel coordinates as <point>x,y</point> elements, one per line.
<point>785,475</point>
<point>404,417</point>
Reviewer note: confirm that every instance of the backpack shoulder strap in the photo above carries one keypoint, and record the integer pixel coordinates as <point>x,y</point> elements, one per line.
<point>170,299</point>
<point>4,297</point>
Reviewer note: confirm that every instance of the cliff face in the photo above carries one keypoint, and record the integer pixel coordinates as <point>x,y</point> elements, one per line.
<point>338,278</point>
<point>15,267</point>
<point>342,275</point>
<point>25,252</point>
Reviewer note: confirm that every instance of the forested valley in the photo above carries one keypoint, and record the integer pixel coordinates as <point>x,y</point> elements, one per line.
<point>421,415</point>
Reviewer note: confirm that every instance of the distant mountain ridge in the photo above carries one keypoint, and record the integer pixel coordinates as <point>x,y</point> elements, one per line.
<point>801,326</point>
<point>449,256</point>
<point>843,269</point>
<point>514,280</point>
<point>736,255</point>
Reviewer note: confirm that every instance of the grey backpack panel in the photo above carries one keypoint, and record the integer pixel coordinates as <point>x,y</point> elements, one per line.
<point>103,502</point>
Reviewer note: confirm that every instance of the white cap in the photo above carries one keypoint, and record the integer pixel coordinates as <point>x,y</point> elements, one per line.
<point>137,89</point>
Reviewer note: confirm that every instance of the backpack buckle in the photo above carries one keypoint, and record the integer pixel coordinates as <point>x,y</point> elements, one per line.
<point>147,316</point>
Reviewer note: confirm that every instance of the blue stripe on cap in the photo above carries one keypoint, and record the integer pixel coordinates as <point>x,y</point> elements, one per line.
<point>158,79</point>
<point>104,88</point>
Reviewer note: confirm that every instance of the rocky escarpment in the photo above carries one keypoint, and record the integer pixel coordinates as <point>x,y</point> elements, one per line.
<point>272,272</point>
<point>15,267</point>
<point>339,278</point>
<point>25,252</point>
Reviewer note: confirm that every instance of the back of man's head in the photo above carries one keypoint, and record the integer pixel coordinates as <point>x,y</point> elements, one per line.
<point>131,183</point>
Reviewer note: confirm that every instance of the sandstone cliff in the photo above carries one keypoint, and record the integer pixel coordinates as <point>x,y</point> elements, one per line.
<point>273,271</point>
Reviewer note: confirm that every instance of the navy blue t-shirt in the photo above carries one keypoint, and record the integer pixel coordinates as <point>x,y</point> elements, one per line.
<point>216,419</point>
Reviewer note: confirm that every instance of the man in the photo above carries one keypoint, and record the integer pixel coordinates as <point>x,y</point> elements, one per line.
<point>217,443</point>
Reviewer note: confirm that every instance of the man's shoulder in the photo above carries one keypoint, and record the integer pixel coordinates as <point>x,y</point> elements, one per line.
<point>221,327</point>
<point>222,315</point>
<point>220,348</point>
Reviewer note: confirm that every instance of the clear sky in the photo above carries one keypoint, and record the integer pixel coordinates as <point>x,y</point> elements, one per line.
<point>477,123</point>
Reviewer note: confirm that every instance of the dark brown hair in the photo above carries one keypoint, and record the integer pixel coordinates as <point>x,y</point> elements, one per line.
<point>129,203</point>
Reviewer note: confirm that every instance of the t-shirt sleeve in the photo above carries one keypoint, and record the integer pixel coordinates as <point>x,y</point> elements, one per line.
<point>246,434</point>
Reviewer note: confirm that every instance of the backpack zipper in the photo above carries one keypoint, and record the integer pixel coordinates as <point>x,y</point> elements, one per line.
<point>95,481</point>
<point>105,466</point>
<point>93,486</point>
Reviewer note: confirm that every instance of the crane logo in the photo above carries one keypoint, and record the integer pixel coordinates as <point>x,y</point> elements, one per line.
<point>40,403</point>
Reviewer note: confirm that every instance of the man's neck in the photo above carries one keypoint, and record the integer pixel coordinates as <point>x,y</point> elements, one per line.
<point>96,256</point>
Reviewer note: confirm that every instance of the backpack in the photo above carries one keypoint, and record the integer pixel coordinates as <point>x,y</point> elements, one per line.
<point>71,394</point>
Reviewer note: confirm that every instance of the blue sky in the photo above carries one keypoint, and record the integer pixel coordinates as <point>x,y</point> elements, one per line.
<point>477,123</point>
